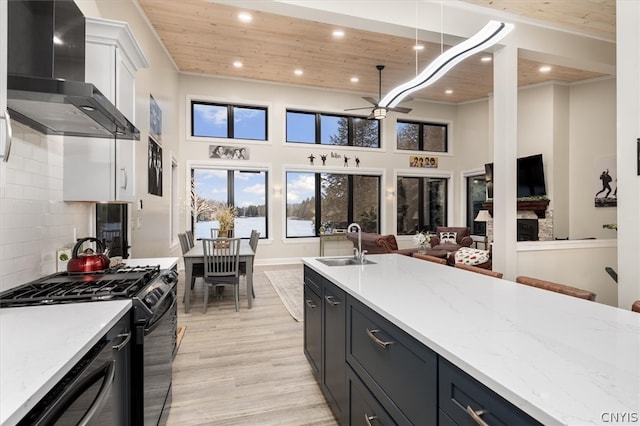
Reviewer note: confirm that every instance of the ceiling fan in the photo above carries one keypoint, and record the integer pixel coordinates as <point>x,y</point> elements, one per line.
<point>379,112</point>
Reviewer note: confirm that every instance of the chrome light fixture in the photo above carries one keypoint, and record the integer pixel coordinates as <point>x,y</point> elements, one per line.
<point>492,33</point>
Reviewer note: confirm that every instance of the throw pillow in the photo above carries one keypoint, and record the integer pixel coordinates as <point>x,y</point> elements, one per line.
<point>471,256</point>
<point>448,238</point>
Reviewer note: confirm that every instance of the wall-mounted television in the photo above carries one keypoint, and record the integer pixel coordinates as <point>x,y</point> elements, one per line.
<point>530,177</point>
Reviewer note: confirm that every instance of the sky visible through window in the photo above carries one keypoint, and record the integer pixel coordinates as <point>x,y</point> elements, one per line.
<point>249,186</point>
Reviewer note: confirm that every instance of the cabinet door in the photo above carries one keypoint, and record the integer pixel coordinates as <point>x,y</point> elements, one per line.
<point>125,183</point>
<point>126,96</point>
<point>89,173</point>
<point>401,372</point>
<point>313,329</point>
<point>459,393</point>
<point>99,68</point>
<point>364,408</point>
<point>334,379</point>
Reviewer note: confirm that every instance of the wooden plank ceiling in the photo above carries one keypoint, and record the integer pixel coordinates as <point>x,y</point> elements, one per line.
<point>206,38</point>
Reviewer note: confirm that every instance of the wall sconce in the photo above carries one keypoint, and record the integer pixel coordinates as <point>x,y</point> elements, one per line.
<point>277,191</point>
<point>391,193</point>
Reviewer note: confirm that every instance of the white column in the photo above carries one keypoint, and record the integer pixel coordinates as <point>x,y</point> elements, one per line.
<point>628,116</point>
<point>505,146</point>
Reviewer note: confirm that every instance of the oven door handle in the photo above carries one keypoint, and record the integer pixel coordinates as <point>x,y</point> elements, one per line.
<point>108,371</point>
<point>157,322</point>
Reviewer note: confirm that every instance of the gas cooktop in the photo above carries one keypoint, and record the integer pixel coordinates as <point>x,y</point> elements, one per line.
<point>67,287</point>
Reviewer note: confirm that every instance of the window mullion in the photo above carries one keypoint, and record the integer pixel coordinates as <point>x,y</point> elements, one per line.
<point>350,195</point>
<point>318,128</point>
<point>230,132</point>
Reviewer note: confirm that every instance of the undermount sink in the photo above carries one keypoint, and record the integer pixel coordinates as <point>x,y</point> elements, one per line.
<point>343,261</point>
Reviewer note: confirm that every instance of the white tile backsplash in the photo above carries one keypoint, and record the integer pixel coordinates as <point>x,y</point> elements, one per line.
<point>34,221</point>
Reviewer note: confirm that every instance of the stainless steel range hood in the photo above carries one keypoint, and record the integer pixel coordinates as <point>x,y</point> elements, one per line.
<point>45,82</point>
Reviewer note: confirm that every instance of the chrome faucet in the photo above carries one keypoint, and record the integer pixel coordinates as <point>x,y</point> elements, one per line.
<point>359,254</point>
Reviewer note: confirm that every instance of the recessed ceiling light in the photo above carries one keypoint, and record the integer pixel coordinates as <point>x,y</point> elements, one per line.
<point>544,68</point>
<point>237,64</point>
<point>298,72</point>
<point>355,79</point>
<point>338,33</point>
<point>448,91</point>
<point>418,47</point>
<point>486,59</point>
<point>245,17</point>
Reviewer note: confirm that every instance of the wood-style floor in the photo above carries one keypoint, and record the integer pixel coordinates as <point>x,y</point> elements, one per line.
<point>246,367</point>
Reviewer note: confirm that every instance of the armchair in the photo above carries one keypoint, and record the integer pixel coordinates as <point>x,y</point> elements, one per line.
<point>462,236</point>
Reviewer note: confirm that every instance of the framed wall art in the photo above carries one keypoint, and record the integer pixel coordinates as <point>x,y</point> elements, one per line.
<point>155,120</point>
<point>154,171</point>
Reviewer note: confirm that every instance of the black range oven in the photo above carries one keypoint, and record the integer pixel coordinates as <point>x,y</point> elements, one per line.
<point>153,330</point>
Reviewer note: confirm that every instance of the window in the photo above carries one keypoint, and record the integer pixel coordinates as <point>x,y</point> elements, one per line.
<point>244,189</point>
<point>415,136</point>
<point>331,200</point>
<point>422,204</point>
<point>476,190</point>
<point>331,129</point>
<point>228,121</point>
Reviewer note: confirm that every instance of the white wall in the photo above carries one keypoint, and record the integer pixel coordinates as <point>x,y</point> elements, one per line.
<point>34,221</point>
<point>592,126</point>
<point>279,156</point>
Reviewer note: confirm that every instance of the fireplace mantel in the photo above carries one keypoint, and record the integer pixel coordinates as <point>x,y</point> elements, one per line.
<point>539,207</point>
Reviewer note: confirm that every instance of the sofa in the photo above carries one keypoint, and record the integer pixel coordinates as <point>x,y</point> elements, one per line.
<point>375,243</point>
<point>462,237</point>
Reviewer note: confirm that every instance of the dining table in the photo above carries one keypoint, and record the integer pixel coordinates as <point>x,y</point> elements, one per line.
<point>196,256</point>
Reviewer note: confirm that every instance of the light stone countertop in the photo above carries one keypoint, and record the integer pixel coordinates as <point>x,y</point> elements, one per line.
<point>164,262</point>
<point>40,344</point>
<point>562,360</point>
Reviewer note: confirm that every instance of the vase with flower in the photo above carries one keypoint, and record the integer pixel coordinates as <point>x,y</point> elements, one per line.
<point>421,239</point>
<point>226,215</point>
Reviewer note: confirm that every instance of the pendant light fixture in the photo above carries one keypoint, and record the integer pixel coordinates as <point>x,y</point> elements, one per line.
<point>491,34</point>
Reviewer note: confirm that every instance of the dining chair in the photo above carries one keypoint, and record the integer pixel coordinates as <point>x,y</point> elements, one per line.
<point>253,242</point>
<point>430,258</point>
<point>198,268</point>
<point>189,234</point>
<point>483,271</point>
<point>558,288</point>
<point>221,266</point>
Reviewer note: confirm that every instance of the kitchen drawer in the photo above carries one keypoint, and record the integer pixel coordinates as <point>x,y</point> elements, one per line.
<point>458,390</point>
<point>392,365</point>
<point>313,280</point>
<point>365,410</point>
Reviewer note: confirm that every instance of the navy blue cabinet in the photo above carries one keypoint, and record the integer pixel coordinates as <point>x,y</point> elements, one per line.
<point>399,371</point>
<point>463,400</point>
<point>324,339</point>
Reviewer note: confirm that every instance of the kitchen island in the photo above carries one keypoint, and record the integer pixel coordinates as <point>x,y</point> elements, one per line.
<point>40,344</point>
<point>558,359</point>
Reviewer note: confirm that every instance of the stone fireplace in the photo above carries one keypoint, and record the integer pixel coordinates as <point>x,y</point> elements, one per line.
<point>533,217</point>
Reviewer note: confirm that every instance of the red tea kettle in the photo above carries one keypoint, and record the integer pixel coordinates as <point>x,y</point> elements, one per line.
<point>88,261</point>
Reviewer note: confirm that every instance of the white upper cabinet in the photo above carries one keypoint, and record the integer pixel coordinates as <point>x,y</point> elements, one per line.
<point>104,169</point>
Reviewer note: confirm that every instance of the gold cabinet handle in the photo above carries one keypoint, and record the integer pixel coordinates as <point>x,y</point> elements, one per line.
<point>381,343</point>
<point>475,415</point>
<point>368,418</point>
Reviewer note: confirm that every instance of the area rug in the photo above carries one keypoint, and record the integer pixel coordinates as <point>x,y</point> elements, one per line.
<point>289,284</point>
